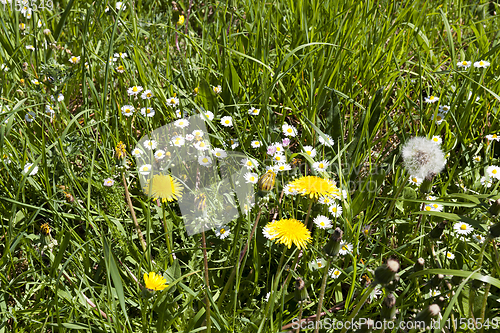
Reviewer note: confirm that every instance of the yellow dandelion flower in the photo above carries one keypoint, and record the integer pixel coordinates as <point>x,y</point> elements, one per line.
<point>45,229</point>
<point>120,150</point>
<point>155,281</point>
<point>181,20</point>
<point>314,187</point>
<point>164,187</point>
<point>288,231</point>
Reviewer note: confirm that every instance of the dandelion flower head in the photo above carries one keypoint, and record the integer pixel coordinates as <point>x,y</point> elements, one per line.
<point>155,281</point>
<point>288,231</point>
<point>314,187</point>
<point>164,187</point>
<point>422,157</point>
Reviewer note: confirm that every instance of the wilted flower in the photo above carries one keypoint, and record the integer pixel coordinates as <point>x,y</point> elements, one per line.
<point>423,158</point>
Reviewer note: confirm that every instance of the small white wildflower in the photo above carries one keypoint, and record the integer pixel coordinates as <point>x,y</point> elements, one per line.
<point>481,64</point>
<point>226,121</point>
<point>493,171</point>
<point>322,222</point>
<point>463,228</point>
<point>29,168</point>
<point>431,99</point>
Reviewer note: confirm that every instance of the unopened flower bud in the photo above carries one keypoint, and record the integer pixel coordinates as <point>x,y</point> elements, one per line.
<point>427,314</point>
<point>495,230</point>
<point>419,265</point>
<point>391,286</point>
<point>300,293</point>
<point>332,248</point>
<point>495,208</point>
<point>389,307</point>
<point>46,32</point>
<point>386,272</point>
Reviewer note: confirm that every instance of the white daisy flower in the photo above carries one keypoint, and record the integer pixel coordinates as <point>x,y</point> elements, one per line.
<point>160,154</point>
<point>209,115</point>
<point>278,158</point>
<point>450,256</point>
<point>289,130</point>
<point>434,207</point>
<point>49,111</point>
<point>282,167</point>
<point>309,150</point>
<point>120,5</point>
<point>366,230</point>
<point>205,161</point>
<point>481,64</point>
<point>478,238</point>
<point>317,264</point>
<point>267,234</point>
<point>464,64</point>
<point>253,111</point>
<point>226,121</point>
<point>326,201</point>
<point>439,118</point>
<point>30,47</point>
<point>198,133</point>
<point>249,163</point>
<point>150,144</point>
<point>414,180</point>
<point>173,101</point>
<point>321,165</point>
<point>219,153</point>
<point>234,143</point>
<point>201,145</point>
<point>30,116</point>
<point>35,81</point>
<point>147,94</point>
<point>29,168</point>
<point>279,148</point>
<point>477,158</point>
<point>60,97</point>
<point>108,182</point>
<point>217,89</point>
<point>133,91</point>
<point>251,177</point>
<point>335,209</point>
<point>136,152</point>
<point>431,99</point>
<point>189,137</point>
<point>222,232</point>
<point>256,144</point>
<point>322,222</point>
<point>181,123</point>
<point>463,228</point>
<point>148,112</point>
<point>437,139</point>
<point>120,55</point>
<point>127,110</point>
<point>334,273</point>
<point>287,191</point>
<point>328,142</point>
<point>487,182</point>
<point>434,292</point>
<point>444,109</point>
<point>74,60</point>
<point>345,248</point>
<point>493,171</point>
<point>266,298</point>
<point>119,69</point>
<point>375,294</point>
<point>145,169</point>
<point>177,141</point>
<point>491,137</point>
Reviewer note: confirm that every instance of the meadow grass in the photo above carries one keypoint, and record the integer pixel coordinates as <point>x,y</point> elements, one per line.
<point>79,228</point>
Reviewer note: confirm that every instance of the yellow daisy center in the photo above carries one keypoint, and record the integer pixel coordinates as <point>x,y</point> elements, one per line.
<point>227,121</point>
<point>494,171</point>
<point>289,130</point>
<point>321,165</point>
<point>463,227</point>
<point>344,247</point>
<point>481,63</point>
<point>336,273</point>
<point>322,224</point>
<point>464,63</point>
<point>222,231</point>
<point>205,160</point>
<point>494,136</point>
<point>134,89</point>
<point>319,265</point>
<point>439,118</point>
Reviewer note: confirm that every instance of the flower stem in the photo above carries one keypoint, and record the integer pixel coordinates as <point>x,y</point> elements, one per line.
<point>321,296</point>
<point>138,230</point>
<point>205,262</point>
<point>360,304</point>
<point>167,238</point>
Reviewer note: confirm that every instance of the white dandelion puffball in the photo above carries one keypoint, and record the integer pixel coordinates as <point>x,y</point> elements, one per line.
<point>423,158</point>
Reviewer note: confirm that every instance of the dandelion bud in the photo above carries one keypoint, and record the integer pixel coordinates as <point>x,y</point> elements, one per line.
<point>47,32</point>
<point>419,265</point>
<point>428,313</point>
<point>147,293</point>
<point>495,230</point>
<point>386,272</point>
<point>495,208</point>
<point>389,307</point>
<point>300,293</point>
<point>426,186</point>
<point>437,231</point>
<point>332,248</point>
<point>393,284</point>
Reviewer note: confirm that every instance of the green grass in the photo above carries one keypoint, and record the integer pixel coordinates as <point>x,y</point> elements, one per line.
<point>356,71</point>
